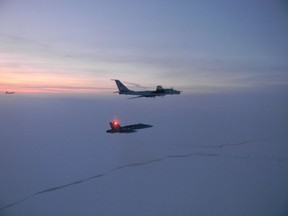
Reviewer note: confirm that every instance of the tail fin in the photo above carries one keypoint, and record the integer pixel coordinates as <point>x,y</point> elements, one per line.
<point>115,126</point>
<point>122,88</point>
<point>160,89</point>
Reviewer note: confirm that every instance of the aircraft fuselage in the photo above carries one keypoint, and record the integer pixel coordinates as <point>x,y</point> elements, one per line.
<point>116,128</point>
<point>160,91</point>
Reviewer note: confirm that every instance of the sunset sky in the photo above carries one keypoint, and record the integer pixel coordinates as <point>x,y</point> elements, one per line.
<point>78,46</point>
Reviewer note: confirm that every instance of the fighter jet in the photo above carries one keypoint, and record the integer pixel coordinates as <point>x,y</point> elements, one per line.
<point>116,128</point>
<point>160,91</point>
<point>9,92</point>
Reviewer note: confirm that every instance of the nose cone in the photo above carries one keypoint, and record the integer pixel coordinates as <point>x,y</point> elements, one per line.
<point>148,126</point>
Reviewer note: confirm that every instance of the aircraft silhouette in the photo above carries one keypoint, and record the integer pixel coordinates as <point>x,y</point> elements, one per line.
<point>116,128</point>
<point>160,91</point>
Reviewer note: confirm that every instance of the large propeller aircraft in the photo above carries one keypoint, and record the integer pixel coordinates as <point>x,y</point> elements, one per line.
<point>160,91</point>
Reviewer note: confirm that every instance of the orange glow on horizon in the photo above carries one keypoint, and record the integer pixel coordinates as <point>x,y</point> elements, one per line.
<point>55,83</point>
<point>52,90</point>
<point>31,74</point>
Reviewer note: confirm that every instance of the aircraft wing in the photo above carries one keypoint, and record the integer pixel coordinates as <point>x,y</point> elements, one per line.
<point>145,95</point>
<point>137,97</point>
<point>129,131</point>
<point>137,126</point>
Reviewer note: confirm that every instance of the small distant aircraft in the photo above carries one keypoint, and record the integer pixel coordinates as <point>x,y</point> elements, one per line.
<point>116,128</point>
<point>9,92</point>
<point>160,91</point>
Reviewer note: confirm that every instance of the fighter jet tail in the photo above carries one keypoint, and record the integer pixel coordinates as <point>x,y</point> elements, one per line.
<point>115,126</point>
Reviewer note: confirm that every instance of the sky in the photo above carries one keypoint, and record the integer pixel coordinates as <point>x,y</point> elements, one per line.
<point>78,46</point>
